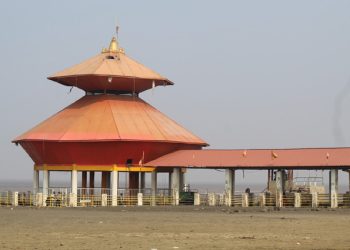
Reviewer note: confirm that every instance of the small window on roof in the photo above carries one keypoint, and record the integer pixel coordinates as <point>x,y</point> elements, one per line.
<point>110,57</point>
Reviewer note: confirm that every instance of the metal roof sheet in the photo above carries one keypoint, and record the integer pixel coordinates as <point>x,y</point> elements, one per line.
<point>256,158</point>
<point>110,71</point>
<point>110,117</point>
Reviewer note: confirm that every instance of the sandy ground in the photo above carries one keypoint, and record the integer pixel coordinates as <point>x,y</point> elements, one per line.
<point>173,228</point>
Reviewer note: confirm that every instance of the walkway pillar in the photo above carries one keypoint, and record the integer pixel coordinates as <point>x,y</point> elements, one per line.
<point>333,187</point>
<point>74,185</point>
<point>35,181</point>
<point>175,185</point>
<point>114,187</point>
<point>229,186</point>
<point>279,188</point>
<point>154,186</point>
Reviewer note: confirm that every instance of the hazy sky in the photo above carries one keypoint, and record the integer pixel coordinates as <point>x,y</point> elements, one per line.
<point>248,74</point>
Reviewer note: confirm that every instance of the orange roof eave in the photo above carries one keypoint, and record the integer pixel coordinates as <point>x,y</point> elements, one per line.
<point>57,78</point>
<point>203,144</point>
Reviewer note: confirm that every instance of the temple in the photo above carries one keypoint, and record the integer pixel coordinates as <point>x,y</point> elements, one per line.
<point>112,130</point>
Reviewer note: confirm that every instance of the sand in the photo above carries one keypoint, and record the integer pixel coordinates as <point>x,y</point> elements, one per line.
<point>173,228</point>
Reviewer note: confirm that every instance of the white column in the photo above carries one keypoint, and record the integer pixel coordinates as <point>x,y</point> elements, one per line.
<point>333,187</point>
<point>73,196</point>
<point>175,183</point>
<point>74,181</point>
<point>114,187</point>
<point>35,181</point>
<point>229,186</point>
<point>46,174</point>
<point>279,188</point>
<point>154,186</point>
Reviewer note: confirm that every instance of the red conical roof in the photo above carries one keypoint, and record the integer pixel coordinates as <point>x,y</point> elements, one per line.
<point>110,71</point>
<point>110,118</point>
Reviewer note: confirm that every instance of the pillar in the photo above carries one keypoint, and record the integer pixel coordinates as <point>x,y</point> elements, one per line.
<point>229,186</point>
<point>73,196</point>
<point>279,187</point>
<point>175,185</point>
<point>74,181</point>
<point>84,182</point>
<point>333,187</point>
<point>91,182</point>
<point>114,187</point>
<point>169,182</point>
<point>154,186</point>
<point>142,181</point>
<point>133,183</point>
<point>46,184</point>
<point>35,181</point>
<point>46,180</point>
<point>182,181</point>
<point>105,182</point>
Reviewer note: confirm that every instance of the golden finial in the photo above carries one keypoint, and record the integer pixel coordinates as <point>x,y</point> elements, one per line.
<point>113,46</point>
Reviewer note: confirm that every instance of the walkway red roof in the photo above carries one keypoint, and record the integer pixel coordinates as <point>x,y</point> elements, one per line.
<point>110,118</point>
<point>257,158</point>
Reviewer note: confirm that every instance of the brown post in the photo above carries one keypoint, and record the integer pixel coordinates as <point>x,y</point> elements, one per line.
<point>92,182</point>
<point>133,182</point>
<point>104,183</point>
<point>84,182</point>
<point>268,179</point>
